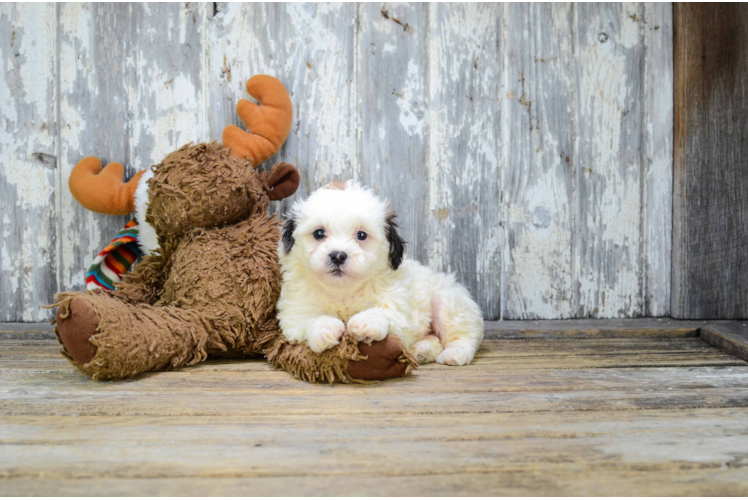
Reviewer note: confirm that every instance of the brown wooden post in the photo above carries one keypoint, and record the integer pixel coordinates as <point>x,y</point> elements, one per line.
<point>710,190</point>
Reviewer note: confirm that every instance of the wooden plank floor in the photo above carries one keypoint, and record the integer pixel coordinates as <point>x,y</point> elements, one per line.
<point>642,415</point>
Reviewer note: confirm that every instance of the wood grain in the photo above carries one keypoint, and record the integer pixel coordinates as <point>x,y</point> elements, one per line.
<point>572,328</point>
<point>593,328</point>
<point>310,48</point>
<point>394,116</point>
<point>609,50</point>
<point>464,130</point>
<point>710,206</point>
<point>496,444</point>
<point>730,338</point>
<point>496,355</point>
<point>544,425</point>
<point>27,331</point>
<point>657,154</point>
<point>678,480</point>
<point>526,148</point>
<point>28,161</point>
<point>539,92</point>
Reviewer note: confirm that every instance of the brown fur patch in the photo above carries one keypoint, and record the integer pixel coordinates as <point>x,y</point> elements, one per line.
<point>340,185</point>
<point>202,185</point>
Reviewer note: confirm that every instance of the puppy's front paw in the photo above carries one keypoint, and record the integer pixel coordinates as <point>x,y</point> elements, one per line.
<point>456,354</point>
<point>324,333</point>
<point>368,326</point>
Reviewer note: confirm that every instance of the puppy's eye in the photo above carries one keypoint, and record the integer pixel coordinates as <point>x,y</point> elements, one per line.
<point>319,234</point>
<point>361,236</point>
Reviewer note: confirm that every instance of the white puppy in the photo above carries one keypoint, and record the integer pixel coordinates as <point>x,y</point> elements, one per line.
<point>343,266</point>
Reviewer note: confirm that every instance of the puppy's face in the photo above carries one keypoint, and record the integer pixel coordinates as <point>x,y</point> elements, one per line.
<point>341,235</point>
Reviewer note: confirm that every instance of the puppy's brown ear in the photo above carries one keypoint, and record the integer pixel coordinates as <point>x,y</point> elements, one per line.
<point>283,181</point>
<point>397,244</point>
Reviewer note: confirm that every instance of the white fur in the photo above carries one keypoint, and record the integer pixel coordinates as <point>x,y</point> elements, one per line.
<point>429,311</point>
<point>325,332</point>
<point>148,240</point>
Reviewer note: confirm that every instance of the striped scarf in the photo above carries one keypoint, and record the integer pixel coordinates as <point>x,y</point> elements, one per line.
<point>115,260</point>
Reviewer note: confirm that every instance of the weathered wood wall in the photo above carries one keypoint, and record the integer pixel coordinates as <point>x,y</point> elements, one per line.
<point>527,148</point>
<point>710,228</point>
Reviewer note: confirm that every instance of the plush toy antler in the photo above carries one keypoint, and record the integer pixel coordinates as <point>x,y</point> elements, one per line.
<point>268,124</point>
<point>103,191</point>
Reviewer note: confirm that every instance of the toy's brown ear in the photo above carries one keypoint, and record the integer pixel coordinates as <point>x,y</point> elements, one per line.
<point>283,181</point>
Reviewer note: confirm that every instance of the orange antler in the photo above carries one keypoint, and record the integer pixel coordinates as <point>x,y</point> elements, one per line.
<point>103,190</point>
<point>268,122</point>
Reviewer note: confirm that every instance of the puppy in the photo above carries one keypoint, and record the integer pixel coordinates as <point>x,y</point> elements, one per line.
<point>343,268</point>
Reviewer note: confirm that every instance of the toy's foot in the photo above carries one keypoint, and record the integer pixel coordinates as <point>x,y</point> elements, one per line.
<point>76,328</point>
<point>383,360</point>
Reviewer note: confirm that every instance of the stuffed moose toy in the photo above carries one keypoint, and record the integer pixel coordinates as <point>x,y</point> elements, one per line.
<point>209,278</point>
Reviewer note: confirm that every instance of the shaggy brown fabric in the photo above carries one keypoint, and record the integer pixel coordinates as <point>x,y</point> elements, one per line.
<point>202,186</point>
<point>303,363</point>
<point>210,289</point>
<point>135,339</point>
<point>348,362</point>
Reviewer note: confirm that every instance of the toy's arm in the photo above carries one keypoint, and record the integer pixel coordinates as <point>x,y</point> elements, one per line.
<point>144,281</point>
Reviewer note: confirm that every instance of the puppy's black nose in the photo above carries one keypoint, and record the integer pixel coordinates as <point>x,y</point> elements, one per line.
<point>338,258</point>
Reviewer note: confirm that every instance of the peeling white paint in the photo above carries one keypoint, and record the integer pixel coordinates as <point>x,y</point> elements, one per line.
<point>538,178</point>
<point>27,160</point>
<point>38,57</point>
<point>607,258</point>
<point>658,207</point>
<point>413,113</point>
<point>463,150</point>
<point>34,185</point>
<point>464,120</point>
<point>309,48</point>
<point>630,35</point>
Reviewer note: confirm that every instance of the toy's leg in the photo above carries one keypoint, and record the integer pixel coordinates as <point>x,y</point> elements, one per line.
<point>350,361</point>
<point>109,339</point>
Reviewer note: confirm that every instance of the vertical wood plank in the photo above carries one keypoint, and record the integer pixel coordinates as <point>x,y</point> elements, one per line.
<point>540,91</point>
<point>130,92</point>
<point>165,81</point>
<point>608,246</point>
<point>392,82</point>
<point>710,209</point>
<point>94,49</point>
<point>28,162</point>
<point>308,47</point>
<point>658,162</point>
<point>465,123</point>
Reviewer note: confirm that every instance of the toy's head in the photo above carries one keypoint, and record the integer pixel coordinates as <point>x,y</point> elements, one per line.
<point>203,185</point>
